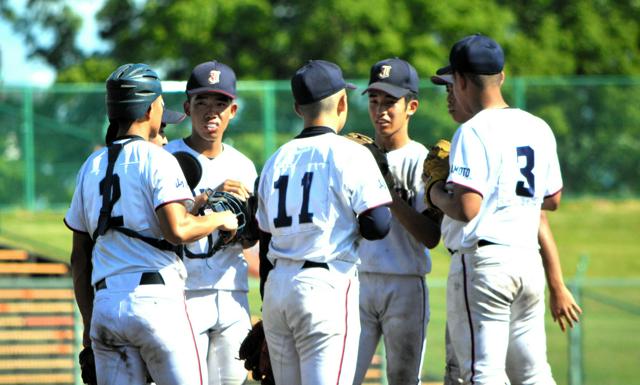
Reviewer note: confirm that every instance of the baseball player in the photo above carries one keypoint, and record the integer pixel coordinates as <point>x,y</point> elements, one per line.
<point>564,309</point>
<point>217,284</point>
<point>315,203</point>
<point>129,210</point>
<point>394,300</point>
<point>504,168</point>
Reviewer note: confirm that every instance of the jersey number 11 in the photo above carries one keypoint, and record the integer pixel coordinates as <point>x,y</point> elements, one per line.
<point>283,220</point>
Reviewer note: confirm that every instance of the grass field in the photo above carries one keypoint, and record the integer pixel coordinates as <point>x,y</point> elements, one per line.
<point>606,231</point>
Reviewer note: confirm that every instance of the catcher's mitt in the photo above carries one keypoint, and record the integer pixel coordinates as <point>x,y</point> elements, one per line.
<point>436,167</point>
<point>87,366</point>
<point>218,201</point>
<point>255,353</point>
<point>378,154</point>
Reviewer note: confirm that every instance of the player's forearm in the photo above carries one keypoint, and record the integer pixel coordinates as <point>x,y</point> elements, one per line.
<point>81,269</point>
<point>422,228</point>
<point>448,202</point>
<point>180,227</point>
<point>550,255</point>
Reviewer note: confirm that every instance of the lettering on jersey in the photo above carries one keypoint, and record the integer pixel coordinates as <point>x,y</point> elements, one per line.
<point>214,77</point>
<point>179,183</point>
<point>385,72</point>
<point>464,171</point>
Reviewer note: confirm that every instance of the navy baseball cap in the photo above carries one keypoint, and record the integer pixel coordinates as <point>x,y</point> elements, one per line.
<point>477,54</point>
<point>393,76</point>
<point>212,77</point>
<point>443,76</point>
<point>317,80</point>
<point>172,117</point>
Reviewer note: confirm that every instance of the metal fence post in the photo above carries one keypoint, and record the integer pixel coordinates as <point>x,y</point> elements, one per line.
<point>28,148</point>
<point>269,118</point>
<point>576,360</point>
<point>520,93</point>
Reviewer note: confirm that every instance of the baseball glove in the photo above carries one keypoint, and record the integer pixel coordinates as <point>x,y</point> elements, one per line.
<point>378,154</point>
<point>87,366</point>
<point>436,167</point>
<point>218,201</point>
<point>255,353</point>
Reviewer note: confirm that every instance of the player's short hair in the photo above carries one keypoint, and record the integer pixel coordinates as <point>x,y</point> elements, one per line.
<point>484,81</point>
<point>315,109</point>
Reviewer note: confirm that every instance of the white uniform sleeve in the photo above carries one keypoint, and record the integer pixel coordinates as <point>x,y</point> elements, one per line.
<point>75,219</point>
<point>362,181</point>
<point>554,176</point>
<point>468,160</point>
<point>168,182</point>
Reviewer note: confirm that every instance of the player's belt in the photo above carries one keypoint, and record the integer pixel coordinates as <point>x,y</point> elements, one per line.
<point>481,243</point>
<point>309,264</point>
<point>147,278</point>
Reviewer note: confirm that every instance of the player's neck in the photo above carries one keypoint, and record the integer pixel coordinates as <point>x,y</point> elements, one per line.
<point>208,149</point>
<point>141,129</point>
<point>322,121</point>
<point>397,140</point>
<point>489,98</point>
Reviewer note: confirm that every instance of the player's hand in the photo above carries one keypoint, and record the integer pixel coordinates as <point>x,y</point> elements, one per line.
<point>564,308</point>
<point>227,221</point>
<point>236,188</point>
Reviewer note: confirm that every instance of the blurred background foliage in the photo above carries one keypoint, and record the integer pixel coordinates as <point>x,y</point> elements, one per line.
<point>269,39</point>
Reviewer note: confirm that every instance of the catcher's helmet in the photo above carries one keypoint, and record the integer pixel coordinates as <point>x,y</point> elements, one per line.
<point>130,91</point>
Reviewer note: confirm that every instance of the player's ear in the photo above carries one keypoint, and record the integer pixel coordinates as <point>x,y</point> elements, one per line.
<point>412,106</point>
<point>502,77</point>
<point>233,108</point>
<point>342,103</point>
<point>296,108</point>
<point>187,107</point>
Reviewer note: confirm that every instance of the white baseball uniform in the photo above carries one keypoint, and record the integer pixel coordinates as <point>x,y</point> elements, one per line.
<point>217,286</point>
<point>394,298</point>
<point>311,191</point>
<point>139,318</point>
<point>495,296</point>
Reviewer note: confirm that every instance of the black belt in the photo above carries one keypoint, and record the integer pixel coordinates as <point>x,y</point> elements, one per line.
<point>147,278</point>
<point>481,243</point>
<point>308,264</point>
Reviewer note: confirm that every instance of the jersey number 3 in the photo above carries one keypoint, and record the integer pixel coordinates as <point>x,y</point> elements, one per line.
<point>283,220</point>
<point>526,171</point>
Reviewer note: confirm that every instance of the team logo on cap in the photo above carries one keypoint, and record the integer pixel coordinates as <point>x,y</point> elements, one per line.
<point>214,77</point>
<point>385,72</point>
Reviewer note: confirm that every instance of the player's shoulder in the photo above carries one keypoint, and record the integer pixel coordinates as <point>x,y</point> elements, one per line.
<point>176,145</point>
<point>236,154</point>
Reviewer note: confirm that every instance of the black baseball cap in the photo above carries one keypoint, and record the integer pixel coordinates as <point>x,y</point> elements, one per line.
<point>317,80</point>
<point>212,77</point>
<point>172,117</point>
<point>443,76</point>
<point>393,76</point>
<point>477,54</point>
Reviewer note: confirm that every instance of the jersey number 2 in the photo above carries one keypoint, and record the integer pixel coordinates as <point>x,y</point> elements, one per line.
<point>283,220</point>
<point>526,171</point>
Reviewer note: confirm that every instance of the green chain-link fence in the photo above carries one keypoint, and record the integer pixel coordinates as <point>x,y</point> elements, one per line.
<point>45,134</point>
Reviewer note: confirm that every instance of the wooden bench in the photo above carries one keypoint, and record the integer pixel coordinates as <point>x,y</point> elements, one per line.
<point>13,255</point>
<point>38,338</point>
<point>34,268</point>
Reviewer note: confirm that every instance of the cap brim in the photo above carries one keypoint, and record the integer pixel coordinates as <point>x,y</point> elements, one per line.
<point>444,70</point>
<point>206,90</point>
<point>395,91</point>
<point>350,86</point>
<point>172,117</point>
<point>442,80</point>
